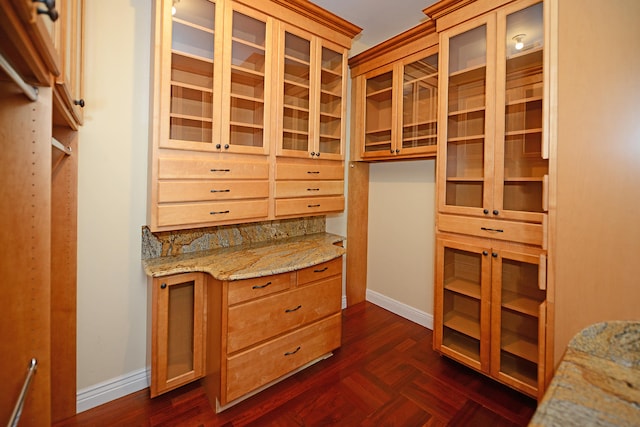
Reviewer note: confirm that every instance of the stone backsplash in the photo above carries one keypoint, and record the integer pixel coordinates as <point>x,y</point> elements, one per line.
<point>168,243</point>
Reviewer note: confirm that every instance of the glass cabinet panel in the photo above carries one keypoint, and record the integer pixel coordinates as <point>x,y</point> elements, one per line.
<point>462,302</point>
<point>181,329</point>
<point>419,103</point>
<point>524,166</point>
<point>331,102</point>
<point>378,112</point>
<point>247,81</point>
<point>297,75</point>
<point>192,56</point>
<point>518,311</point>
<point>466,111</point>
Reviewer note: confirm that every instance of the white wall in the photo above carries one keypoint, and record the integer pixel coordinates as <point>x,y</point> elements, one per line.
<point>112,192</point>
<point>401,244</point>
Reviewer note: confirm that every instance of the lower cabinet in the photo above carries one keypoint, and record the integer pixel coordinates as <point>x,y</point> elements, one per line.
<point>490,309</point>
<point>242,335</point>
<point>178,331</point>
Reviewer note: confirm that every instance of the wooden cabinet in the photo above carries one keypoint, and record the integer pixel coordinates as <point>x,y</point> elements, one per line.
<point>178,331</point>
<point>243,81</point>
<point>395,96</point>
<point>312,96</point>
<point>276,325</point>
<point>492,158</point>
<point>493,166</point>
<point>490,311</point>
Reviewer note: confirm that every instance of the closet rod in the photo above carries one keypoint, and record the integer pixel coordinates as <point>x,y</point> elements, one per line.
<point>57,144</point>
<point>30,91</point>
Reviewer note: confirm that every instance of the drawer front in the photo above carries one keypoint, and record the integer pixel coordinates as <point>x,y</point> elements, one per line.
<point>286,189</point>
<point>201,168</point>
<point>261,319</point>
<point>320,271</point>
<point>248,289</point>
<point>511,231</point>
<point>309,206</point>
<point>193,191</point>
<point>309,171</point>
<point>198,213</point>
<point>252,369</point>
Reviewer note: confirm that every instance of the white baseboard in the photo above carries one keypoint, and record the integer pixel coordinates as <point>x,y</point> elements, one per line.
<point>401,309</point>
<point>112,389</point>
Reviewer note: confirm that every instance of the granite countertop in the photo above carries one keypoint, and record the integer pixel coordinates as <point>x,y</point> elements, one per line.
<point>598,380</point>
<point>252,260</point>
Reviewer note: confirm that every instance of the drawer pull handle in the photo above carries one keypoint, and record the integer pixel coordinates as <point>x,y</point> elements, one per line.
<point>497,230</point>
<point>261,286</point>
<point>313,172</point>
<point>289,353</point>
<point>220,170</point>
<point>313,189</point>
<point>291,310</point>
<point>221,191</point>
<point>219,212</point>
<point>313,206</point>
<point>321,270</point>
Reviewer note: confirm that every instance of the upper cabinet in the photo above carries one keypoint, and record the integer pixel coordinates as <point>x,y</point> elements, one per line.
<point>237,85</point>
<point>395,97</point>
<point>493,154</point>
<point>312,96</point>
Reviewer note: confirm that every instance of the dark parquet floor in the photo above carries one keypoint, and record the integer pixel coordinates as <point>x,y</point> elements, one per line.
<point>385,374</point>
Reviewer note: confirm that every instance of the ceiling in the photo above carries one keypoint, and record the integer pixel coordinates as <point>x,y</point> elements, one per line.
<point>379,19</point>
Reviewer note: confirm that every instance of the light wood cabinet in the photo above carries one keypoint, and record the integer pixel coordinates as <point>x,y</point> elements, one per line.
<point>274,325</point>
<point>395,97</point>
<point>492,158</point>
<point>243,81</point>
<point>490,309</point>
<point>178,331</point>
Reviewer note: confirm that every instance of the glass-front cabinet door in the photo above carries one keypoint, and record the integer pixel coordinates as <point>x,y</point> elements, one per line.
<point>192,61</point>
<point>462,298</point>
<point>332,102</point>
<point>379,105</point>
<point>518,319</point>
<point>466,118</point>
<point>522,164</point>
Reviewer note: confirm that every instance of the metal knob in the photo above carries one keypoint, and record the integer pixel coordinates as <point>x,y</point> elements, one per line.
<point>162,286</point>
<point>494,254</point>
<point>485,253</point>
<point>496,211</point>
<point>486,211</point>
<point>226,146</point>
<point>313,153</point>
<point>79,102</point>
<point>218,146</point>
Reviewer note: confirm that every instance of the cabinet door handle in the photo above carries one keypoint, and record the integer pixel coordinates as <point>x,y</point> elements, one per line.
<point>313,172</point>
<point>313,206</point>
<point>291,310</point>
<point>220,170</point>
<point>289,353</point>
<point>261,286</point>
<point>313,189</point>
<point>496,230</point>
<point>321,270</point>
<point>219,212</point>
<point>221,191</point>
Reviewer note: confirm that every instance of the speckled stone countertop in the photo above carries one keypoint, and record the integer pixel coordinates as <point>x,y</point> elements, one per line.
<point>251,260</point>
<point>598,380</point>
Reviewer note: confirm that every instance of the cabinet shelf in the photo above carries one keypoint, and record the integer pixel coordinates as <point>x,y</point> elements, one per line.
<point>518,346</point>
<point>530,59</point>
<point>192,25</point>
<point>462,323</point>
<point>524,179</point>
<point>330,93</point>
<point>466,138</point>
<point>464,179</point>
<point>379,130</point>
<point>246,125</point>
<point>295,132</point>
<point>330,115</point>
<point>296,108</point>
<point>380,94</point>
<point>190,117</point>
<point>521,304</point>
<point>464,287</point>
<point>298,85</point>
<point>247,98</point>
<point>523,132</point>
<point>377,143</point>
<point>247,43</point>
<point>247,71</point>
<point>468,75</point>
<point>524,100</point>
<point>190,56</point>
<point>175,83</point>
<point>421,79</point>
<point>420,123</point>
<point>466,111</point>
<point>298,60</point>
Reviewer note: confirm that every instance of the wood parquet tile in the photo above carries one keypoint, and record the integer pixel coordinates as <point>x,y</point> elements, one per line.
<point>385,374</point>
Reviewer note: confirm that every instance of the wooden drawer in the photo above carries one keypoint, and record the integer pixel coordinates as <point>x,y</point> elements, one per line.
<point>194,213</point>
<point>309,171</point>
<point>261,319</point>
<point>320,271</point>
<point>511,231</point>
<point>309,206</point>
<point>287,189</point>
<point>269,361</point>
<point>202,168</point>
<point>193,191</point>
<point>248,289</point>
